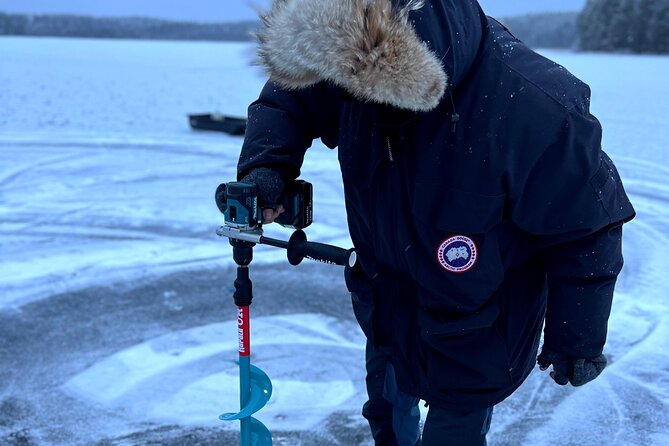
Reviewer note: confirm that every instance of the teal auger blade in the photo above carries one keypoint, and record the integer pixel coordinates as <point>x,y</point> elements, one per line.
<point>260,435</point>
<point>261,391</point>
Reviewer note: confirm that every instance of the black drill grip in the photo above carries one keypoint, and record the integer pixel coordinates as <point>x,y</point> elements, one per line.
<point>299,248</point>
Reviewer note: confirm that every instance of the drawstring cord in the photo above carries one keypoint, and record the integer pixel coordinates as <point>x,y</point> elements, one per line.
<point>455,117</point>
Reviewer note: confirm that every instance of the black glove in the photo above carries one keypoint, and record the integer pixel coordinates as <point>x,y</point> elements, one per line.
<point>270,185</point>
<point>577,371</point>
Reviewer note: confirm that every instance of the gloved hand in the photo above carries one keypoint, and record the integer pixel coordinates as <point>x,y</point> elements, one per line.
<point>577,371</point>
<point>270,187</point>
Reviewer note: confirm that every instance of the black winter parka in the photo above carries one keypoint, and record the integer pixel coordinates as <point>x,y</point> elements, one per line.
<point>475,221</point>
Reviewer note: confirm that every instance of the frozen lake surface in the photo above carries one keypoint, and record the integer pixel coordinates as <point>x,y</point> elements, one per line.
<point>116,323</point>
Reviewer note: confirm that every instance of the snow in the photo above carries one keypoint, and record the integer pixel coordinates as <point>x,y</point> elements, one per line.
<point>180,349</point>
<point>102,182</point>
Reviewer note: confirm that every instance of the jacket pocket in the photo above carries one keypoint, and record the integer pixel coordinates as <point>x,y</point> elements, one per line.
<point>362,299</point>
<point>457,261</point>
<point>466,354</point>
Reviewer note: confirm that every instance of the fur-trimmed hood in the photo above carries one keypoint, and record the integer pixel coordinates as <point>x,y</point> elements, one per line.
<point>380,51</point>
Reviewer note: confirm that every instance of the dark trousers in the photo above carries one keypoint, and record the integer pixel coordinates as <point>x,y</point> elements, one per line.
<point>456,428</point>
<point>394,417</point>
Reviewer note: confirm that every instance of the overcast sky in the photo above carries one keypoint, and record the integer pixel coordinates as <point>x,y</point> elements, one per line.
<point>230,10</point>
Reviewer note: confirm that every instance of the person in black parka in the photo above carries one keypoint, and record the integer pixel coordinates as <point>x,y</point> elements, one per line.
<point>478,198</point>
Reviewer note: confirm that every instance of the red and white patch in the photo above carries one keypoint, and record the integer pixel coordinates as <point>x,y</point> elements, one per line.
<point>457,254</point>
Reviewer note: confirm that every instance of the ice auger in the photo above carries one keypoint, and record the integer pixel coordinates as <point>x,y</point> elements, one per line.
<point>238,202</point>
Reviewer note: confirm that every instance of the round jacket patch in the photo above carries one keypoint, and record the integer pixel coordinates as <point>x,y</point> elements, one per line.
<point>457,254</point>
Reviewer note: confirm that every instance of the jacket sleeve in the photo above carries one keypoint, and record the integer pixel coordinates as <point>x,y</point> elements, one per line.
<point>282,125</point>
<point>581,277</point>
<point>573,202</point>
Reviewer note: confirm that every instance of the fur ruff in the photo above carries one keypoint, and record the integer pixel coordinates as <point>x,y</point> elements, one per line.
<point>367,47</point>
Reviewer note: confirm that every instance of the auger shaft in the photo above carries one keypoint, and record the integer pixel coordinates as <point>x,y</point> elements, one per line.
<point>243,296</point>
<point>244,371</point>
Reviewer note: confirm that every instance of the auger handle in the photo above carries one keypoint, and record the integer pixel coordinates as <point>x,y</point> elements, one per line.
<point>299,248</point>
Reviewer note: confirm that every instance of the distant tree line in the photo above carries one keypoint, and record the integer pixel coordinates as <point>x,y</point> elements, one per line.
<point>122,28</point>
<point>551,30</point>
<point>545,30</point>
<point>637,26</point>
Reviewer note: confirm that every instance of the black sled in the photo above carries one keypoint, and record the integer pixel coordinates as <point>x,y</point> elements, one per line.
<point>218,122</point>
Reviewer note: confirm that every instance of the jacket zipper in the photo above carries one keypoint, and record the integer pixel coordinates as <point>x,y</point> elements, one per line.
<point>391,157</point>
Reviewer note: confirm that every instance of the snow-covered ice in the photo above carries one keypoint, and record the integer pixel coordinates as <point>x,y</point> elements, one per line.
<point>115,319</point>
